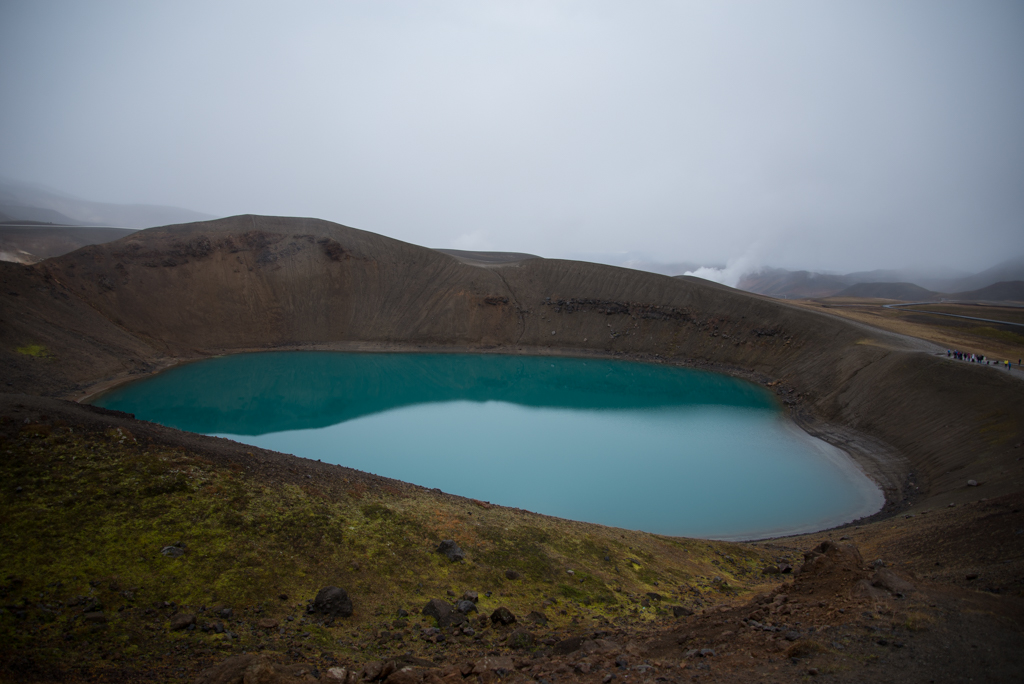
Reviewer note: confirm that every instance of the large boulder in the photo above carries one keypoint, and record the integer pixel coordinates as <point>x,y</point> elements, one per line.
<point>254,669</point>
<point>443,612</point>
<point>332,602</point>
<point>567,646</point>
<point>890,581</point>
<point>829,556</point>
<point>500,665</point>
<point>520,638</point>
<point>502,616</point>
<point>450,550</point>
<point>182,621</point>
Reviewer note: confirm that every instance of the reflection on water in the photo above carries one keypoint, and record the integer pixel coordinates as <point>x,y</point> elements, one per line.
<point>253,394</point>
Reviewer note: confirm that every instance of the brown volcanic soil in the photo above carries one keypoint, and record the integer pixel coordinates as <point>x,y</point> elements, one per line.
<point>920,425</point>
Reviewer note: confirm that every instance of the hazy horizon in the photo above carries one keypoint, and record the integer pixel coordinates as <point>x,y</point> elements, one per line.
<point>843,137</point>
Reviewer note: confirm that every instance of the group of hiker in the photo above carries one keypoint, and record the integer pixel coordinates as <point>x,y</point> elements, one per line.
<point>978,358</point>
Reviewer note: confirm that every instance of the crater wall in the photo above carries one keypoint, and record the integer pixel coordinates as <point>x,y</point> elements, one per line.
<point>246,283</point>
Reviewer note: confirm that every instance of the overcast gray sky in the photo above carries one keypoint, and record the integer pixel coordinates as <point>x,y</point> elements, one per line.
<point>821,135</point>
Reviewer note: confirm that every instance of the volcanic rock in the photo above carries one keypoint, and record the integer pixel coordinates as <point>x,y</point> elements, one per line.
<point>451,550</point>
<point>332,602</point>
<point>443,612</point>
<point>503,616</point>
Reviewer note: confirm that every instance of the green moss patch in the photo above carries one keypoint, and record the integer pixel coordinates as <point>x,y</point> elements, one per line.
<point>36,350</point>
<point>104,539</point>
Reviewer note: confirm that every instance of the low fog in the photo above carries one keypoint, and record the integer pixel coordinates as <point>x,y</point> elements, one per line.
<point>835,136</point>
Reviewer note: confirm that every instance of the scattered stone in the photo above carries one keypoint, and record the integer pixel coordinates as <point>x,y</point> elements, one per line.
<point>567,646</point>
<point>537,618</point>
<point>864,589</point>
<point>371,671</point>
<point>443,612</point>
<point>520,638</point>
<point>465,607</point>
<point>335,675</point>
<point>602,646</point>
<point>791,635</point>
<point>813,671</point>
<point>583,667</point>
<point>332,602</point>
<point>655,596</point>
<point>182,621</point>
<point>471,596</point>
<point>234,669</point>
<point>829,556</point>
<point>253,669</point>
<point>95,617</point>
<point>972,483</point>
<point>972,575</point>
<point>432,634</point>
<point>451,550</point>
<point>500,665</point>
<point>268,623</point>
<point>503,616</point>
<point>173,551</point>
<point>406,675</point>
<point>887,579</point>
<point>681,611</point>
<point>512,574</point>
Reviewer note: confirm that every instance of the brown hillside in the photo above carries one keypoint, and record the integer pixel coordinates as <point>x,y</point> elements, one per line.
<point>256,282</point>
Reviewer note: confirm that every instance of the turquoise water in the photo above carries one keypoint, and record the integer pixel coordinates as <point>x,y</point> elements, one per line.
<point>641,446</point>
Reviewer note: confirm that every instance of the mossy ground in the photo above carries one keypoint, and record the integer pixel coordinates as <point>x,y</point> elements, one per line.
<point>36,350</point>
<point>84,516</point>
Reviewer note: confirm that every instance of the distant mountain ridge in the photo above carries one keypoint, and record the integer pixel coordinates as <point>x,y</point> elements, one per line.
<point>1009,290</point>
<point>906,292</point>
<point>993,284</point>
<point>778,282</point>
<point>26,202</point>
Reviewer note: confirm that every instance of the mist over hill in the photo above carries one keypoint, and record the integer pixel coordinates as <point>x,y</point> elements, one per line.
<point>888,284</point>
<point>28,202</point>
